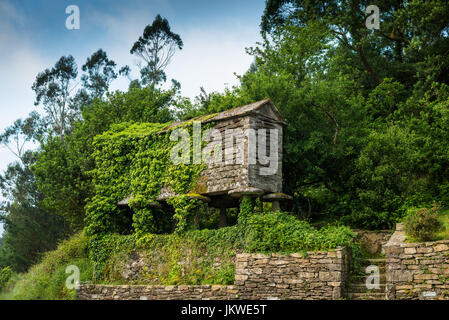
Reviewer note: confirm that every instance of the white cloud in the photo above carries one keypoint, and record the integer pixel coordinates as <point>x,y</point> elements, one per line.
<point>209,58</point>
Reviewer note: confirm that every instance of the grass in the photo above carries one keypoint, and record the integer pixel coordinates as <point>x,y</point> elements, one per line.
<point>46,280</point>
<point>443,216</point>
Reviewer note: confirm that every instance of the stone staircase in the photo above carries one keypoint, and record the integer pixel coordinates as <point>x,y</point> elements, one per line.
<point>356,285</point>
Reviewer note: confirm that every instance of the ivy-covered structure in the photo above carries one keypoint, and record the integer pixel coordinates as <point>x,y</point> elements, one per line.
<point>135,169</point>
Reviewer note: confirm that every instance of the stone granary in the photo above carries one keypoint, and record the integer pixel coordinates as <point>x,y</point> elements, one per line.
<point>246,131</point>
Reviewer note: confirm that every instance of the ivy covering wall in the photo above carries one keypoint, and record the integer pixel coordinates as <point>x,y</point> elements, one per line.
<point>134,159</point>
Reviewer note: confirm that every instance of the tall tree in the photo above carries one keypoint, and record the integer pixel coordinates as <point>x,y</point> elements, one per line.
<point>99,72</point>
<point>29,230</point>
<point>16,136</point>
<point>156,47</point>
<point>53,88</point>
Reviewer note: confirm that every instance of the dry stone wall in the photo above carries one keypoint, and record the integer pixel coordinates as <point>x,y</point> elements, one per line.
<point>416,270</point>
<point>314,276</point>
<point>142,292</point>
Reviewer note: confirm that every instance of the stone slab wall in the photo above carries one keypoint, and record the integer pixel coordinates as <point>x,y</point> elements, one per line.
<point>141,292</point>
<point>416,270</point>
<point>314,276</point>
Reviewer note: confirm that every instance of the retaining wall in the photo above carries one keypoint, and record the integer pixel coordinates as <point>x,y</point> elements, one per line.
<point>314,276</point>
<point>416,270</point>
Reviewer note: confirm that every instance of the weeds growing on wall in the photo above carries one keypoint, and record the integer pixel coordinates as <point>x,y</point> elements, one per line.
<point>191,257</point>
<point>207,256</point>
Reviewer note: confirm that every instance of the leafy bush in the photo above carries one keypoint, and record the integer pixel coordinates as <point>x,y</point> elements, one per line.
<point>423,224</point>
<point>281,232</point>
<point>5,275</point>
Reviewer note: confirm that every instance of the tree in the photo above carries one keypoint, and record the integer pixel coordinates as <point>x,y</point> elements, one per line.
<point>29,230</point>
<point>156,47</point>
<point>53,88</point>
<point>100,71</point>
<point>16,136</point>
<point>409,45</point>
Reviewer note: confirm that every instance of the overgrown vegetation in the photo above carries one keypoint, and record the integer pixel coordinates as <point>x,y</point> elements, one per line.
<point>134,159</point>
<point>194,257</point>
<point>423,224</point>
<point>47,279</point>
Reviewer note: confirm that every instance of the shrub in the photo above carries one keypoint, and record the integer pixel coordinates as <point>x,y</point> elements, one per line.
<point>423,224</point>
<point>281,232</point>
<point>5,275</point>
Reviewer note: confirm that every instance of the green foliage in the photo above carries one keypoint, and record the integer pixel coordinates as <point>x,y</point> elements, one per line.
<point>29,229</point>
<point>246,208</point>
<point>207,256</point>
<point>102,248</point>
<point>281,232</point>
<point>5,275</point>
<point>62,181</point>
<point>185,209</point>
<point>46,280</point>
<point>134,159</point>
<point>423,224</point>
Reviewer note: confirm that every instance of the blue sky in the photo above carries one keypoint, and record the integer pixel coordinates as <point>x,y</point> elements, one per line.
<point>33,36</point>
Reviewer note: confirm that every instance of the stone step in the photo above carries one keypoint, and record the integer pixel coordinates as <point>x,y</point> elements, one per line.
<point>382,268</point>
<point>361,288</point>
<point>366,296</point>
<point>375,262</point>
<point>360,279</point>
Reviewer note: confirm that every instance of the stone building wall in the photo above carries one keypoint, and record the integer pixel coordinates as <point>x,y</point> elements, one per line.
<point>229,175</point>
<point>314,276</point>
<point>416,270</point>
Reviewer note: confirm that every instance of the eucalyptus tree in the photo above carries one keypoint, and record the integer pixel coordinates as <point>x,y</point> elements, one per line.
<point>156,48</point>
<point>99,73</point>
<point>53,88</point>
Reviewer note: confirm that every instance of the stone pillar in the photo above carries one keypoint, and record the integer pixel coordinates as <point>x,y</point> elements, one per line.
<point>247,196</point>
<point>275,206</point>
<point>275,199</point>
<point>222,219</point>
